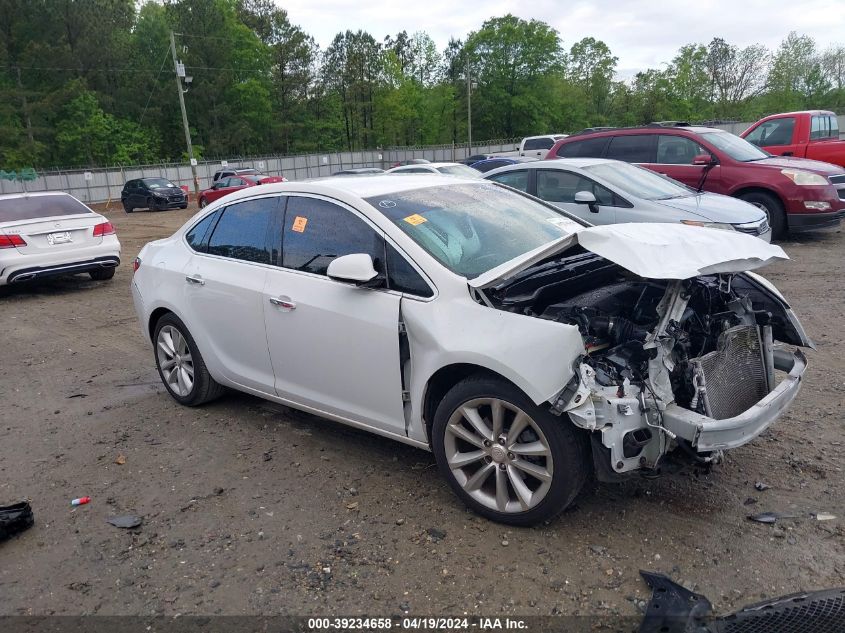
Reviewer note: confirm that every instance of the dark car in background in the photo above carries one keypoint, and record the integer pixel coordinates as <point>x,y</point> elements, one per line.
<point>155,194</point>
<point>796,194</point>
<point>495,162</point>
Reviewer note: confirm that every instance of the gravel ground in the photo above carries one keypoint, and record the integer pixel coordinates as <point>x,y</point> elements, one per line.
<point>252,508</point>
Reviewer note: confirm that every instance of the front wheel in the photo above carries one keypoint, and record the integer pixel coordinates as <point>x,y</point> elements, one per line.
<point>127,207</point>
<point>506,458</point>
<point>180,364</point>
<point>773,209</point>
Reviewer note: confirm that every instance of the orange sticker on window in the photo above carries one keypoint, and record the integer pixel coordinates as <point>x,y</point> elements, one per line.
<point>415,219</point>
<point>299,224</point>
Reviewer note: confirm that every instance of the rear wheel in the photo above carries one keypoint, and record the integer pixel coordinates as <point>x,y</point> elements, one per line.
<point>102,274</point>
<point>506,458</point>
<point>180,364</point>
<point>772,207</point>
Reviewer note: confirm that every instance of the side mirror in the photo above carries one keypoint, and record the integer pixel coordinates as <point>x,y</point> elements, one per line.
<point>587,197</point>
<point>356,268</point>
<point>704,159</point>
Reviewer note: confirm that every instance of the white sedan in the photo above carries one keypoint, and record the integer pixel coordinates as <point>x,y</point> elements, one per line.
<point>520,346</point>
<point>48,234</point>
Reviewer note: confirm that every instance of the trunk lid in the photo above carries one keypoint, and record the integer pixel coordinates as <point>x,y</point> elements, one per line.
<point>654,251</point>
<point>55,234</point>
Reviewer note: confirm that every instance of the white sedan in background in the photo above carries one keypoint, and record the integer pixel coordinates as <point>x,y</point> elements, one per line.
<point>446,169</point>
<point>49,234</point>
<point>524,348</point>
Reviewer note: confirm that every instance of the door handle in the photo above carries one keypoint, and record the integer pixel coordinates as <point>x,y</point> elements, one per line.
<point>283,302</point>
<point>196,279</point>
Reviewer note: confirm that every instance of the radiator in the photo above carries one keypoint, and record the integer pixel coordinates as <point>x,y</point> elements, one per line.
<point>733,377</point>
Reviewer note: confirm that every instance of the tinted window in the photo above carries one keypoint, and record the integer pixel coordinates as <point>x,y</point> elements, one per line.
<point>489,165</point>
<point>236,182</point>
<point>317,231</point>
<point>35,206</point>
<point>517,179</point>
<point>588,148</point>
<point>403,277</point>
<point>677,150</point>
<point>197,237</point>
<point>561,186</point>
<point>538,143</point>
<point>632,148</point>
<point>775,132</point>
<point>241,232</point>
<point>820,127</point>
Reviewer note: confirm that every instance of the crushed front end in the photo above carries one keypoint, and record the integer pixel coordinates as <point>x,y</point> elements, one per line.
<point>680,368</point>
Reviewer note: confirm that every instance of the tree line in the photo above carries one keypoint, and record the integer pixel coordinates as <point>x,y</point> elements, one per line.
<point>91,82</point>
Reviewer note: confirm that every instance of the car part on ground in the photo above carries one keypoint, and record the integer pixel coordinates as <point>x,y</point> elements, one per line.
<point>14,519</point>
<point>675,609</point>
<point>521,346</point>
<point>51,234</point>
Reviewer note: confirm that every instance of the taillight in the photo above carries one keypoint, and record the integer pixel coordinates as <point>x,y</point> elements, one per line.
<point>136,264</point>
<point>10,241</point>
<point>104,228</point>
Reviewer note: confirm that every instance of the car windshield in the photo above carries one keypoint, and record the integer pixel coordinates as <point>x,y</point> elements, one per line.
<point>31,207</point>
<point>458,170</point>
<point>638,181</point>
<point>159,183</point>
<point>735,147</point>
<point>472,228</point>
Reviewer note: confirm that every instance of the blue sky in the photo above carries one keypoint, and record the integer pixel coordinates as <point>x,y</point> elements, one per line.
<point>643,34</point>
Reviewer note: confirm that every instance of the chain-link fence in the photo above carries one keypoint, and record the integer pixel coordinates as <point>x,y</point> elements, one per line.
<point>104,184</point>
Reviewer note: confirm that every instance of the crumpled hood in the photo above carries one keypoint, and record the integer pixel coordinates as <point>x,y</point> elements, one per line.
<point>716,208</point>
<point>653,251</point>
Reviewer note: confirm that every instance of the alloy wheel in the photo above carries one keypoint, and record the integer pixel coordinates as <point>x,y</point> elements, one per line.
<point>175,360</point>
<point>498,455</point>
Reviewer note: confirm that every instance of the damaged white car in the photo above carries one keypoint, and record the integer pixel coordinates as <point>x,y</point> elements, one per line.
<point>523,348</point>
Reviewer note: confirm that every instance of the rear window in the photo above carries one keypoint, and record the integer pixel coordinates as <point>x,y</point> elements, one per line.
<point>588,148</point>
<point>538,143</point>
<point>633,148</point>
<point>33,207</point>
<point>824,126</point>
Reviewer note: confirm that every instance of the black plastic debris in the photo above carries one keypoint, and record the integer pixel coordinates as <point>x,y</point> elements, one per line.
<point>772,517</point>
<point>14,519</point>
<point>676,609</point>
<point>126,521</point>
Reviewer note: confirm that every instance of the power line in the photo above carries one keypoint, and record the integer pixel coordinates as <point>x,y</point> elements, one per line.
<point>150,98</point>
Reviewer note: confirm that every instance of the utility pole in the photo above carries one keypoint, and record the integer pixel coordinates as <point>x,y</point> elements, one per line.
<point>179,76</point>
<point>469,111</point>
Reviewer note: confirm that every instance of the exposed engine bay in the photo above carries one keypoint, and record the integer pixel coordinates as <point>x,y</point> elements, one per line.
<point>705,344</point>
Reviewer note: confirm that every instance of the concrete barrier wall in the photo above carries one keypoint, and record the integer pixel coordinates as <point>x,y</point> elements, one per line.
<point>101,185</point>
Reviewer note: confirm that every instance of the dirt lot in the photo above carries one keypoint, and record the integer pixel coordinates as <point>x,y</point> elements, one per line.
<point>252,508</point>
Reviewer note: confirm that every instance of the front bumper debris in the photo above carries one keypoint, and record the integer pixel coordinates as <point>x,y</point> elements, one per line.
<point>706,434</point>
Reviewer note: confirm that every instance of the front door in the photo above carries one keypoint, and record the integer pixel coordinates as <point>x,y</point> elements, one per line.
<point>675,155</point>
<point>334,346</point>
<point>559,187</point>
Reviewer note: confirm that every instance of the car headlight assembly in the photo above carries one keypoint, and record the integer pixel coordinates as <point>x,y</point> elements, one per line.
<point>804,178</point>
<point>709,225</point>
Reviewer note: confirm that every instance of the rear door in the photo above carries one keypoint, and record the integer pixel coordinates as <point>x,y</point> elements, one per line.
<point>334,345</point>
<point>223,291</point>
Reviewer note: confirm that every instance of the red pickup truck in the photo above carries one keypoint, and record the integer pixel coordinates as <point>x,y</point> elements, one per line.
<point>809,134</point>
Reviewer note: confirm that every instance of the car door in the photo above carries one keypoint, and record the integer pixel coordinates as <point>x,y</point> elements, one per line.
<point>559,186</point>
<point>775,136</point>
<point>334,345</point>
<point>138,195</point>
<point>674,157</point>
<point>225,186</point>
<point>224,286</point>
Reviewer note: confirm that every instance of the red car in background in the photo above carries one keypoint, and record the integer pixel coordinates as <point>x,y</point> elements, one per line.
<point>797,194</point>
<point>228,184</point>
<point>810,134</point>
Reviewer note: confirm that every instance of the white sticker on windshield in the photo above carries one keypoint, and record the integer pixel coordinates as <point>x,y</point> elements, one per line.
<point>565,224</point>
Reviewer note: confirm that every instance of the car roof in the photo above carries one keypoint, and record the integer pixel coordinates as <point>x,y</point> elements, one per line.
<point>577,163</point>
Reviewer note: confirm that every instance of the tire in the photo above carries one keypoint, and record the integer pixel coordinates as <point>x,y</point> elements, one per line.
<point>127,207</point>
<point>203,387</point>
<point>15,519</point>
<point>773,209</point>
<point>102,274</point>
<point>151,205</point>
<point>183,206</point>
<point>558,452</point>
<point>203,203</point>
